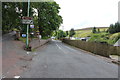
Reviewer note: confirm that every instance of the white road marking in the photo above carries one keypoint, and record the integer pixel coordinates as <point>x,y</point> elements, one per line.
<point>16,77</point>
<point>61,49</point>
<point>67,48</point>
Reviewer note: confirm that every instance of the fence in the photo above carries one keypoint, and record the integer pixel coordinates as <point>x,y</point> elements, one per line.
<point>96,48</point>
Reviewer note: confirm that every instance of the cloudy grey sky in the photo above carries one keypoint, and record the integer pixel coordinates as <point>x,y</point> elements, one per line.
<point>79,14</point>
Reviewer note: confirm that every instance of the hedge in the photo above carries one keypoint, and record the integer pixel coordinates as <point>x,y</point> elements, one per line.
<point>96,48</point>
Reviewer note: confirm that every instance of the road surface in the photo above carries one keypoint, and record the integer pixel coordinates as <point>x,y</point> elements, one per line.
<point>58,60</point>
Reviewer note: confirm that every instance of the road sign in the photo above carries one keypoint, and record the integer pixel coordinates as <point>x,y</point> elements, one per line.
<point>27,20</point>
<point>23,35</point>
<point>31,26</point>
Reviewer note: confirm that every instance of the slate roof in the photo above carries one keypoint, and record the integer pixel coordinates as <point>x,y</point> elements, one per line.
<point>117,43</point>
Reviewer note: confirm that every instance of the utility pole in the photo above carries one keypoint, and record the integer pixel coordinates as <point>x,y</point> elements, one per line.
<point>27,39</point>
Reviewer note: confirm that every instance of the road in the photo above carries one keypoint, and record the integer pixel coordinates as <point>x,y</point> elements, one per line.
<point>58,60</point>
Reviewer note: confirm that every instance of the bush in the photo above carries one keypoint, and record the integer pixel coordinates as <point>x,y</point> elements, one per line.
<point>96,48</point>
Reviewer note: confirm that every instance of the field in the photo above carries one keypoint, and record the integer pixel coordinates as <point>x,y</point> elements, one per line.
<point>88,31</point>
<point>102,36</point>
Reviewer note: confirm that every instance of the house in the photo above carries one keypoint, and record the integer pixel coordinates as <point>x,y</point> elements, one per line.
<point>117,43</point>
<point>72,38</point>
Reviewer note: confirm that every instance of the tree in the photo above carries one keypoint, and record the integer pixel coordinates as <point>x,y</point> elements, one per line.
<point>60,34</point>
<point>48,17</point>
<point>10,16</point>
<point>67,33</point>
<point>94,30</point>
<point>111,29</point>
<point>72,32</point>
<point>117,27</point>
<point>12,13</point>
<point>98,30</point>
<point>114,28</point>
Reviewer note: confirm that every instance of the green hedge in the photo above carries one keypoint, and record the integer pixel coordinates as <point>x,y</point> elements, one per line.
<point>96,48</point>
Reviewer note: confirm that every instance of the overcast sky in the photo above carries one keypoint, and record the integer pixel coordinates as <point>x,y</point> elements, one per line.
<point>79,14</point>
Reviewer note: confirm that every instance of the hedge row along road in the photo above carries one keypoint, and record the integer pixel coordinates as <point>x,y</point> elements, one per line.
<point>96,48</point>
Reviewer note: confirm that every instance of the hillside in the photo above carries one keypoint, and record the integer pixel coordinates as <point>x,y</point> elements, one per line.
<point>102,36</point>
<point>90,28</point>
<point>88,31</point>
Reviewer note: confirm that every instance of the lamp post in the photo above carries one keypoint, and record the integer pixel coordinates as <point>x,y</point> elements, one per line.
<point>27,39</point>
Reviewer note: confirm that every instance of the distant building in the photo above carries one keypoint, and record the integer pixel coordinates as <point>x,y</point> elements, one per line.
<point>117,43</point>
<point>83,39</point>
<point>72,38</point>
<point>52,37</point>
<point>87,38</point>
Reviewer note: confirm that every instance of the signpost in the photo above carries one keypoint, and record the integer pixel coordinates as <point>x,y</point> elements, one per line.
<point>31,26</point>
<point>27,20</point>
<point>27,39</point>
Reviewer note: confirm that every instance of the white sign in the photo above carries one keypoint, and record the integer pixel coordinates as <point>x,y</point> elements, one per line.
<point>31,26</point>
<point>27,20</point>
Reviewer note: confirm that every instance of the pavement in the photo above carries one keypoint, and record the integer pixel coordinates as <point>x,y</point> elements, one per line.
<point>15,59</point>
<point>58,60</point>
<point>12,52</point>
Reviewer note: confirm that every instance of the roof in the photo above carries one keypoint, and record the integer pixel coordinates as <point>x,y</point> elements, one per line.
<point>117,43</point>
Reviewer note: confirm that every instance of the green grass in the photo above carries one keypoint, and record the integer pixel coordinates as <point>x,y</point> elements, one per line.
<point>99,37</point>
<point>23,39</point>
<point>103,36</point>
<point>87,32</point>
<point>114,36</point>
<point>84,33</point>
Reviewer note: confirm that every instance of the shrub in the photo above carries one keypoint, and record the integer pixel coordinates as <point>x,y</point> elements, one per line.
<point>96,48</point>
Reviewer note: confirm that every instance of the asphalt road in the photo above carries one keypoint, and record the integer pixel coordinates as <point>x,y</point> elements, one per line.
<point>58,60</point>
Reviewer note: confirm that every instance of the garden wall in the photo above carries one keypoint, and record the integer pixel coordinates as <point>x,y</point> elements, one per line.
<point>96,48</point>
